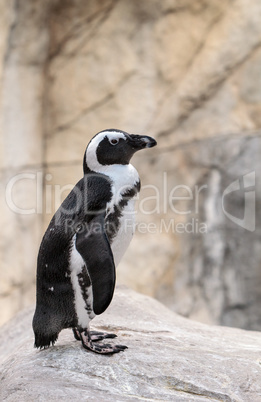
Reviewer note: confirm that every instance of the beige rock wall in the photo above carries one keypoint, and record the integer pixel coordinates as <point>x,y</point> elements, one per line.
<point>23,56</point>
<point>185,72</point>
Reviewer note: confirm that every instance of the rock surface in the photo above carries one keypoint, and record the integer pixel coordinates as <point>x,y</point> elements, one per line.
<point>186,72</point>
<point>216,276</point>
<point>169,358</point>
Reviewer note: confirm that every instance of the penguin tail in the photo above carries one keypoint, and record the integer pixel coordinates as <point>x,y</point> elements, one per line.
<point>44,341</point>
<point>46,328</point>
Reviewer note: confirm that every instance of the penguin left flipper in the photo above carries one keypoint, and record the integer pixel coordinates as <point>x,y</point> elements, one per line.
<point>93,245</point>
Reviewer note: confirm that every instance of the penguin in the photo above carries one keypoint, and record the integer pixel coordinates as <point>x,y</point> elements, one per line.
<point>85,241</point>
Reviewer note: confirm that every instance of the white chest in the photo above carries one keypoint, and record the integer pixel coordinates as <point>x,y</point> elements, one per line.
<point>124,235</point>
<point>124,178</point>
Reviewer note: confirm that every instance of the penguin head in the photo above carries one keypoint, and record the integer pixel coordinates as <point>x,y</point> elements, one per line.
<point>113,147</point>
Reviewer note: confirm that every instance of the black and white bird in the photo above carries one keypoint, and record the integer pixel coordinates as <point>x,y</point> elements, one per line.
<point>85,240</point>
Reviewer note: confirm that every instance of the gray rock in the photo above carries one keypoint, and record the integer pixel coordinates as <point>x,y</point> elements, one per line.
<point>170,358</point>
<point>217,274</point>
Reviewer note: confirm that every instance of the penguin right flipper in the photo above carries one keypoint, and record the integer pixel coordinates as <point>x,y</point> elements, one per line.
<point>93,245</point>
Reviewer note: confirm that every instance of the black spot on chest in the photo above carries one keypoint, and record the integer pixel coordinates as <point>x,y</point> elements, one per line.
<point>112,222</point>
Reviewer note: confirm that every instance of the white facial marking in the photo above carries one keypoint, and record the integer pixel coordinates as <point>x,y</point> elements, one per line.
<point>91,157</point>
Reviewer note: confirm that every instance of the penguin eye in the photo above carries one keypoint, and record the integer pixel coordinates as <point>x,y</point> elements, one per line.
<point>114,141</point>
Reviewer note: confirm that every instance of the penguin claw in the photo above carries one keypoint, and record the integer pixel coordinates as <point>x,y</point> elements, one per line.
<point>76,334</point>
<point>104,349</point>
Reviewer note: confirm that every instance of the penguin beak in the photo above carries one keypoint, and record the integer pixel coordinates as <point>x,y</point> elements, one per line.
<point>141,141</point>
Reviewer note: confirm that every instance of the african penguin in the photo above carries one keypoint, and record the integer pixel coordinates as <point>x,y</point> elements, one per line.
<point>85,240</point>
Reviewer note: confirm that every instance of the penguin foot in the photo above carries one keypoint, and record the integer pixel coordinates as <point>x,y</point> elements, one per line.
<point>104,349</point>
<point>99,336</point>
<point>95,335</point>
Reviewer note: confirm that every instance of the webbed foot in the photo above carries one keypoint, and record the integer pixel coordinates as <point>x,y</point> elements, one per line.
<point>95,335</point>
<point>88,337</point>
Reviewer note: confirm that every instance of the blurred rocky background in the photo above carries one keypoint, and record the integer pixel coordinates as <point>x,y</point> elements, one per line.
<point>187,73</point>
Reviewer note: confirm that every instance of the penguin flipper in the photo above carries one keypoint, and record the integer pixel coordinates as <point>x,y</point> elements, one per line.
<point>93,245</point>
